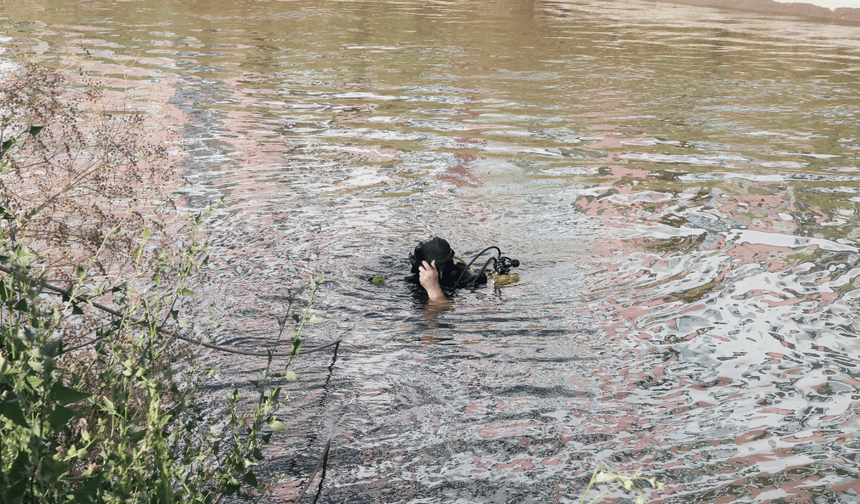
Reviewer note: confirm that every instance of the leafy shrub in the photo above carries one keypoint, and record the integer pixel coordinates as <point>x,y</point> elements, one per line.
<point>96,402</point>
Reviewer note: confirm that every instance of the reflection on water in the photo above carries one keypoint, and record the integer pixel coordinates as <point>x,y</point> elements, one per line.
<point>681,185</point>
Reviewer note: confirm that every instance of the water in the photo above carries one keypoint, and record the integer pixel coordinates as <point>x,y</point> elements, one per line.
<point>681,185</point>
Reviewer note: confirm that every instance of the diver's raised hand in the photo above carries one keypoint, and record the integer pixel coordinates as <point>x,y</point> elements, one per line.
<point>429,279</point>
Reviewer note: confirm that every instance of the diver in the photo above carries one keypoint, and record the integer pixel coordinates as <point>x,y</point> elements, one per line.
<point>436,269</point>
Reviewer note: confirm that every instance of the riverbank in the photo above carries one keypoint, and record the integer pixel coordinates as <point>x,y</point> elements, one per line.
<point>836,11</point>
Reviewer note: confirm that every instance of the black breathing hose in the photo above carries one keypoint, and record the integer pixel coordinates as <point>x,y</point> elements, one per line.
<point>482,269</point>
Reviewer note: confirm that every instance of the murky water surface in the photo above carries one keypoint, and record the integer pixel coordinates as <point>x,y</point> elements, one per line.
<point>681,185</point>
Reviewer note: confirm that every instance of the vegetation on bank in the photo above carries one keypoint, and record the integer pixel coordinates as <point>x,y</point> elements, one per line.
<point>619,481</point>
<point>103,405</point>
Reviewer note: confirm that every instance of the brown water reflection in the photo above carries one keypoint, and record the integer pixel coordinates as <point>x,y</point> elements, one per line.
<point>681,185</point>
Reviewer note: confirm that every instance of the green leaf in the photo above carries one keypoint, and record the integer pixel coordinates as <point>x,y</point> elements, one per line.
<point>35,130</point>
<point>66,396</point>
<point>297,344</point>
<point>231,486</point>
<point>12,411</point>
<point>61,416</point>
<point>38,366</point>
<point>136,435</point>
<point>277,425</point>
<point>251,479</point>
<point>137,252</point>
<point>51,347</point>
<point>34,381</point>
<point>24,255</point>
<point>378,280</point>
<point>19,472</point>
<point>88,491</point>
<point>187,292</point>
<point>317,320</point>
<point>5,146</point>
<point>109,407</point>
<point>146,234</point>
<point>80,272</point>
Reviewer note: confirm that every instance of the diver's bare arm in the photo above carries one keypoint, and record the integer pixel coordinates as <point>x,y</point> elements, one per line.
<point>429,278</point>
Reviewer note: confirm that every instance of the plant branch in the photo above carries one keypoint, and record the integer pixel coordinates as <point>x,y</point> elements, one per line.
<point>95,304</point>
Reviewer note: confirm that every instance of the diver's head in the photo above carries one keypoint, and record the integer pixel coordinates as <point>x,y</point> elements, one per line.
<point>432,249</point>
